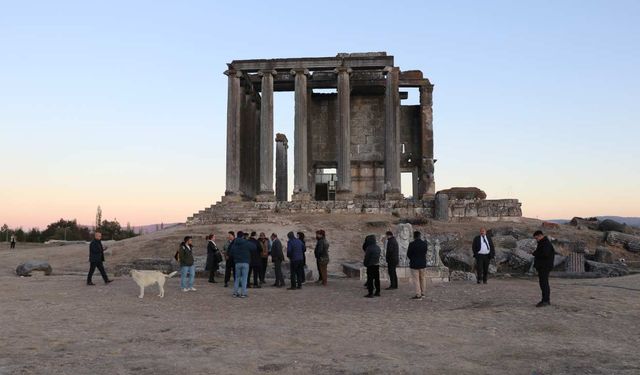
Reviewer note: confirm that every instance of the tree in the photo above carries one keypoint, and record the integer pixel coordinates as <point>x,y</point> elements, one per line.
<point>98,217</point>
<point>66,229</point>
<point>34,235</point>
<point>5,229</point>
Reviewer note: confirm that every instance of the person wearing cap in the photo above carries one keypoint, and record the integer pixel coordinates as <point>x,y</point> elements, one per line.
<point>543,263</point>
<point>417,254</point>
<point>321,253</point>
<point>483,251</point>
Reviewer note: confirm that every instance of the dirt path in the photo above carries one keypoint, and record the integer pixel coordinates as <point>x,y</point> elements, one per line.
<point>57,325</point>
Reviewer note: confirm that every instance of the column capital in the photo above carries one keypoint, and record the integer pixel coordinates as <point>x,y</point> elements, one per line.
<point>388,69</point>
<point>343,69</point>
<point>232,72</point>
<point>262,73</point>
<point>304,71</point>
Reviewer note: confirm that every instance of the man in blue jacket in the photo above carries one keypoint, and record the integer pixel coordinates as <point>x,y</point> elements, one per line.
<point>241,252</point>
<point>295,253</point>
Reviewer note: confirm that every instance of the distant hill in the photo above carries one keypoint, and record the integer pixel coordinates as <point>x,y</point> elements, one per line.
<point>632,221</point>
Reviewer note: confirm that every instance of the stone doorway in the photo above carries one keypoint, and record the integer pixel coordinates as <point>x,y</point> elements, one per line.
<point>326,179</point>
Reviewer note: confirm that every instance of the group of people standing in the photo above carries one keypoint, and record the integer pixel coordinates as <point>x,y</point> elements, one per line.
<point>483,251</point>
<point>246,254</point>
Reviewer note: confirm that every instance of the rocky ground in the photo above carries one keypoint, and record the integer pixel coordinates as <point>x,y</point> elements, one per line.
<point>58,325</point>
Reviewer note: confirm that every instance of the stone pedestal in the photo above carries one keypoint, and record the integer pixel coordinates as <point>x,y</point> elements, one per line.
<point>442,207</point>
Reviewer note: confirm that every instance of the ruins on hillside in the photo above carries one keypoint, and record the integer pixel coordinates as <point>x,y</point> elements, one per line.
<point>353,138</point>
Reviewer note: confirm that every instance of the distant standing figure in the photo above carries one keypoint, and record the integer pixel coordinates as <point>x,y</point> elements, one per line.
<point>543,263</point>
<point>13,241</point>
<point>304,255</point>
<point>417,254</point>
<point>483,251</point>
<point>372,262</point>
<point>277,257</point>
<point>96,257</point>
<point>264,255</point>
<point>295,253</point>
<point>229,266</point>
<point>213,257</point>
<point>392,256</point>
<point>321,253</point>
<point>187,266</point>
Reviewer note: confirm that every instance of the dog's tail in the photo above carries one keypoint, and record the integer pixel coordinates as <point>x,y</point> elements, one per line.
<point>172,274</point>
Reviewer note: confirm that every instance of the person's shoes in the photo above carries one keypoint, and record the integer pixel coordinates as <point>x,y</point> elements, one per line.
<point>390,288</point>
<point>484,281</point>
<point>226,285</point>
<point>243,296</point>
<point>377,294</point>
<point>478,282</point>
<point>258,286</point>
<point>292,288</point>
<point>275,285</point>
<point>193,289</point>
<point>108,281</point>
<point>185,289</point>
<point>422,295</point>
<point>90,283</point>
<point>542,304</point>
<point>368,296</point>
<point>300,286</point>
<point>416,297</point>
<point>235,295</point>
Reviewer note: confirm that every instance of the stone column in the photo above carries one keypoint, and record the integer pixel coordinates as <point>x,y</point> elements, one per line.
<point>265,192</point>
<point>282,145</point>
<point>392,136</point>
<point>234,98</point>
<point>300,172</point>
<point>427,186</point>
<point>344,138</point>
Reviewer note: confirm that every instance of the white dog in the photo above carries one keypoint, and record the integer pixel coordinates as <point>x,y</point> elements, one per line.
<point>147,278</point>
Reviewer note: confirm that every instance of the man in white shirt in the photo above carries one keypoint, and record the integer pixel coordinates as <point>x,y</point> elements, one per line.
<point>483,251</point>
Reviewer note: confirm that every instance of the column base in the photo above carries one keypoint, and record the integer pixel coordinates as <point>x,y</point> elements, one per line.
<point>344,195</point>
<point>231,197</point>
<point>301,196</point>
<point>265,196</point>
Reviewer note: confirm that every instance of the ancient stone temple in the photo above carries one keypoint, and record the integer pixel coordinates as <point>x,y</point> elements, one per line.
<point>361,130</point>
<point>352,138</point>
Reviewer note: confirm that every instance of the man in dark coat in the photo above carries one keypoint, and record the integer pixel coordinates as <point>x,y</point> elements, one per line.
<point>277,257</point>
<point>213,257</point>
<point>417,254</point>
<point>295,253</point>
<point>372,262</point>
<point>543,263</point>
<point>483,251</point>
<point>256,261</point>
<point>96,257</point>
<point>321,252</point>
<point>393,258</point>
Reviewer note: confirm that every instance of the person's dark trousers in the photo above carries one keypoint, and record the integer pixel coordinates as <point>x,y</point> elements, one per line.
<point>263,269</point>
<point>373,279</point>
<point>319,270</point>
<point>100,267</point>
<point>212,274</point>
<point>482,267</point>
<point>393,277</point>
<point>249,276</point>
<point>229,267</point>
<point>278,270</point>
<point>297,271</point>
<point>256,274</point>
<point>13,245</point>
<point>543,278</point>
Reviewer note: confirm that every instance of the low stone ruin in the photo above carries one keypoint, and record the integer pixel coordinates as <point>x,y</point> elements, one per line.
<point>27,267</point>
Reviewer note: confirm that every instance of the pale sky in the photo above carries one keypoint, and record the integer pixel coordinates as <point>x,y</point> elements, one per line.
<point>122,104</point>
